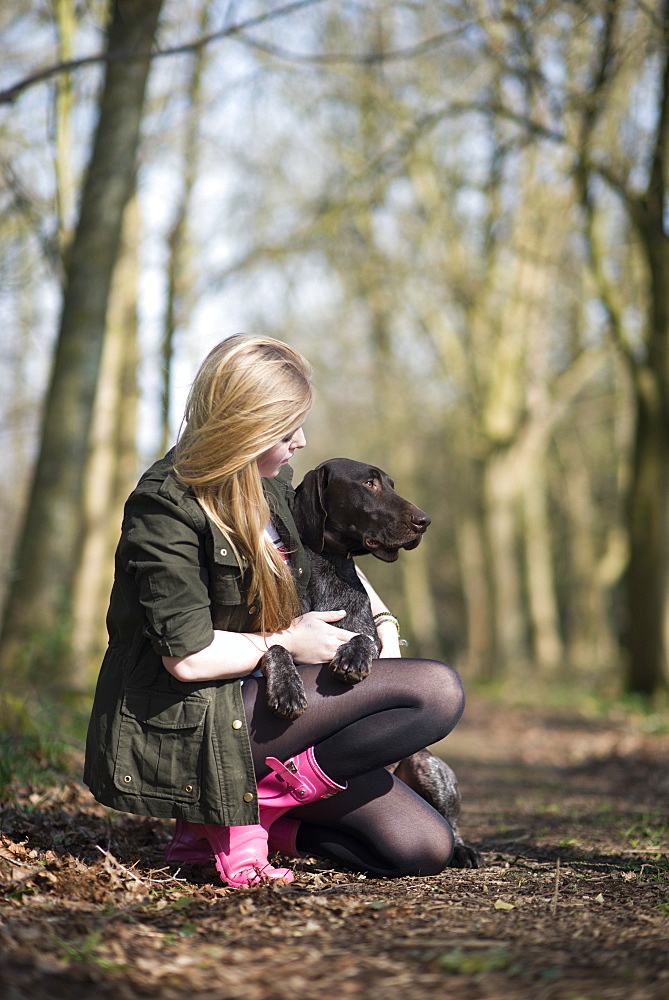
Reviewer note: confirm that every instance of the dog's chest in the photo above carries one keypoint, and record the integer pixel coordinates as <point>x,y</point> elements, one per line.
<point>334,584</point>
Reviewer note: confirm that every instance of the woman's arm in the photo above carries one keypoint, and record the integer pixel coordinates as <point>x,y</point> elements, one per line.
<point>310,639</point>
<point>386,630</point>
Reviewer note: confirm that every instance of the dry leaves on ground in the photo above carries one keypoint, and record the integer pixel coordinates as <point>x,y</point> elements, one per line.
<point>570,813</point>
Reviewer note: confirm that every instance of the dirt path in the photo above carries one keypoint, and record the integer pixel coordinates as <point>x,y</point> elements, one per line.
<point>572,815</point>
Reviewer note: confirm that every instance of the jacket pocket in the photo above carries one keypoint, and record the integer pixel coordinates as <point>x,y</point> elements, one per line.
<point>228,589</point>
<point>160,745</point>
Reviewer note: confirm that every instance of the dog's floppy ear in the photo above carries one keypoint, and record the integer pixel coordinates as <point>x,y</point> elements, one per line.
<point>309,510</point>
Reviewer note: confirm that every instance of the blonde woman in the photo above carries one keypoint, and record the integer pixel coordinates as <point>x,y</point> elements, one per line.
<point>209,573</point>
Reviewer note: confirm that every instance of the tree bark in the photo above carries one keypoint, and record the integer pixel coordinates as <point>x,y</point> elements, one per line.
<point>646,579</point>
<point>647,631</point>
<point>547,643</point>
<point>112,466</point>
<point>589,642</point>
<point>64,105</point>
<point>178,300</point>
<point>36,628</point>
<point>479,605</point>
<point>503,537</point>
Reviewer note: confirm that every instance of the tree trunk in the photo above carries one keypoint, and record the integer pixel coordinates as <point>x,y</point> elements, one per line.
<point>36,628</point>
<point>112,465</point>
<point>64,105</point>
<point>647,570</point>
<point>481,660</point>
<point>544,618</point>
<point>422,617</point>
<point>501,506</point>
<point>589,643</point>
<point>506,471</point>
<point>178,299</point>
<point>648,606</point>
<point>399,457</point>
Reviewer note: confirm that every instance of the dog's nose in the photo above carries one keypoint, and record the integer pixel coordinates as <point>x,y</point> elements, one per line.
<point>420,520</point>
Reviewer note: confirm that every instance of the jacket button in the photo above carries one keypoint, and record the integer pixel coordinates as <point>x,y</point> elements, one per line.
<point>237,724</point>
<point>224,552</point>
<point>252,609</point>
<point>300,571</point>
<point>127,779</point>
<point>248,797</point>
<point>188,788</point>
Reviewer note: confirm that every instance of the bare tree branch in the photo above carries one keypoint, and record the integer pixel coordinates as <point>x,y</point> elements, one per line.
<point>22,202</point>
<point>657,181</point>
<point>492,108</point>
<point>653,16</point>
<point>366,59</point>
<point>10,94</point>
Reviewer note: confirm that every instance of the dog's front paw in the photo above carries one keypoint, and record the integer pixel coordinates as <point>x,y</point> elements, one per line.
<point>466,856</point>
<point>286,696</point>
<point>353,660</point>
<point>287,700</point>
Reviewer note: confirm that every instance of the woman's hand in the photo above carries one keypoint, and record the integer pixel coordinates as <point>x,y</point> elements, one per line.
<point>312,639</point>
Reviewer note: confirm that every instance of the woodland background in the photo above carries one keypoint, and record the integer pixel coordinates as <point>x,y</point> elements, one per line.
<point>456,210</point>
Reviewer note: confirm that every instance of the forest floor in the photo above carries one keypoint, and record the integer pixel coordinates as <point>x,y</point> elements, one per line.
<point>569,808</point>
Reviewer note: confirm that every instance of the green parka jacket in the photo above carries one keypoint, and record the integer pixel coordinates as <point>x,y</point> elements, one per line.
<point>158,746</point>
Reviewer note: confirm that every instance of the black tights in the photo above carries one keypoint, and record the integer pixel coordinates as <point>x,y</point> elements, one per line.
<point>378,825</point>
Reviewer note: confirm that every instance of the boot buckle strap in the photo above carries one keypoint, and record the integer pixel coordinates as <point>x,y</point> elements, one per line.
<point>288,772</point>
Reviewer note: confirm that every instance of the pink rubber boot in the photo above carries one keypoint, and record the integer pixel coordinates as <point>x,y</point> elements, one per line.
<point>197,844</point>
<point>240,854</point>
<point>296,782</point>
<point>188,845</point>
<point>283,837</point>
<point>241,851</point>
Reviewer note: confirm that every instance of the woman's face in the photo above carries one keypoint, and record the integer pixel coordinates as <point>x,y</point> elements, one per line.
<point>271,461</point>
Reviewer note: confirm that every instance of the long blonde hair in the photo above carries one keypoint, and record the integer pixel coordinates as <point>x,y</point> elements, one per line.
<point>249,393</point>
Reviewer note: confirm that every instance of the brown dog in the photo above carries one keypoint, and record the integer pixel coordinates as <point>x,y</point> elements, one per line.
<point>343,509</point>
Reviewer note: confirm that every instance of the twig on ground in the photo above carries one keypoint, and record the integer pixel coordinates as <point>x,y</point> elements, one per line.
<point>13,861</point>
<point>554,901</point>
<point>24,876</point>
<point>114,865</point>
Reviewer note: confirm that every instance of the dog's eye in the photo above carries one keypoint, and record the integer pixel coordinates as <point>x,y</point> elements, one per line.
<point>371,483</point>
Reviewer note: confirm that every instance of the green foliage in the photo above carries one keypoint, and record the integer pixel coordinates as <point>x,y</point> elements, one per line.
<point>36,744</point>
<point>465,963</point>
<point>587,698</point>
<point>648,832</point>
<point>85,950</point>
<point>46,656</point>
<point>81,951</point>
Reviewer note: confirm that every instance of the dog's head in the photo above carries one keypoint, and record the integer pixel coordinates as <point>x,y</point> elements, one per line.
<point>349,508</point>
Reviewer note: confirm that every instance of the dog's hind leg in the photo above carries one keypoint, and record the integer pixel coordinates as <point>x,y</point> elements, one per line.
<point>435,781</point>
